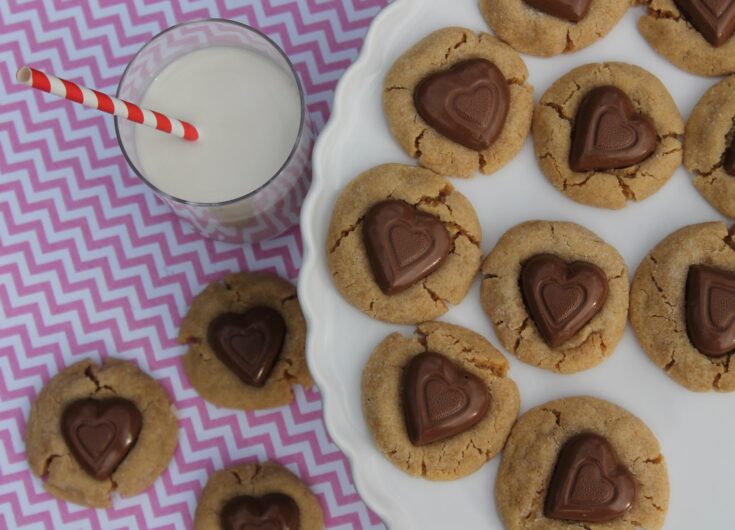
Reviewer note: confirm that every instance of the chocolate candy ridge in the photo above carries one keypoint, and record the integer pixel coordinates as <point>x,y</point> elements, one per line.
<point>710,309</point>
<point>728,163</point>
<point>561,298</point>
<point>713,19</point>
<point>273,511</point>
<point>571,10</point>
<point>248,343</point>
<point>100,433</point>
<point>608,133</point>
<point>440,399</point>
<point>468,103</point>
<point>403,244</point>
<point>589,484</point>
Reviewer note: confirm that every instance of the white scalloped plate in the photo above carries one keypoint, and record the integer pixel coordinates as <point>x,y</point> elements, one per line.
<point>696,430</point>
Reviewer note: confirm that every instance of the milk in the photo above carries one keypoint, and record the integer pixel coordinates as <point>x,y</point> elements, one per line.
<point>247,110</point>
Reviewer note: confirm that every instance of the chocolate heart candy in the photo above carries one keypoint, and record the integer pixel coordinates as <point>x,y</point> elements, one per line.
<point>608,134</point>
<point>571,10</point>
<point>440,399</point>
<point>561,298</point>
<point>589,484</point>
<point>248,343</point>
<point>467,103</point>
<point>403,244</point>
<point>100,433</point>
<point>274,511</point>
<point>714,19</point>
<point>729,162</point>
<point>710,309</point>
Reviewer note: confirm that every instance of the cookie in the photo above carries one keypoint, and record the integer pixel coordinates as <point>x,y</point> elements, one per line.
<point>458,102</point>
<point>254,495</point>
<point>246,337</point>
<point>458,450</point>
<point>404,205</point>
<point>671,32</point>
<point>548,27</point>
<point>554,324</point>
<point>581,462</point>
<point>659,301</point>
<point>709,152</point>
<point>607,133</point>
<point>94,430</point>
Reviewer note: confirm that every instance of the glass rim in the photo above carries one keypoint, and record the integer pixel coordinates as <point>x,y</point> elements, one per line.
<point>279,171</point>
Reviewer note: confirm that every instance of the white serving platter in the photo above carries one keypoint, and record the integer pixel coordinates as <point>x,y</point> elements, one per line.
<point>696,431</point>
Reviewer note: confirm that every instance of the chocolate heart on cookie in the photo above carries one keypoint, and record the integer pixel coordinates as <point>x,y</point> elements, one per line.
<point>571,10</point>
<point>710,309</point>
<point>467,103</point>
<point>713,19</point>
<point>589,484</point>
<point>608,133</point>
<point>729,161</point>
<point>561,298</point>
<point>403,244</point>
<point>274,511</point>
<point>248,343</point>
<point>440,399</point>
<point>100,433</point>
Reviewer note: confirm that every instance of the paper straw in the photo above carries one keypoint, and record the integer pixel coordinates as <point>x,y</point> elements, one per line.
<point>112,105</point>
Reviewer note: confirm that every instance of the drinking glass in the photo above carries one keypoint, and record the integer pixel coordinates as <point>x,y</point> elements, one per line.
<point>263,212</point>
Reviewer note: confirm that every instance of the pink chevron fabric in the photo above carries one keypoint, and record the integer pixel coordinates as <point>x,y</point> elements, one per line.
<point>93,264</point>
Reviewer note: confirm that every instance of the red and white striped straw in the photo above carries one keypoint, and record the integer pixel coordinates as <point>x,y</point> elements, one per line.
<point>112,105</point>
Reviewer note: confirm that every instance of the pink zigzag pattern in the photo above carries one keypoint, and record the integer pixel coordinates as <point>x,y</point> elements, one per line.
<point>91,264</point>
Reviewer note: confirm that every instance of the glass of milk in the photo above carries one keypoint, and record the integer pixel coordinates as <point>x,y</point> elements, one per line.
<point>245,177</point>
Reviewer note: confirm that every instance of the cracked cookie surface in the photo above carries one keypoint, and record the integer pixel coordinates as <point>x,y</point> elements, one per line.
<point>463,453</point>
<point>657,305</point>
<point>503,302</point>
<point>440,51</point>
<point>668,32</point>
<point>553,123</point>
<point>237,293</point>
<point>533,32</point>
<point>50,458</point>
<point>255,480</point>
<point>710,132</point>
<point>348,261</point>
<point>531,453</point>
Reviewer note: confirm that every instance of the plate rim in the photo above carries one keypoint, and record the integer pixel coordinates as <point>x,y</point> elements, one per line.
<point>311,250</point>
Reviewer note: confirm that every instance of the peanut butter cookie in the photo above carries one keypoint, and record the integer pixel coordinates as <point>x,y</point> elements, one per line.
<point>682,306</point>
<point>698,43</point>
<point>556,294</point>
<point>551,27</point>
<point>439,403</point>
<point>97,430</point>
<point>458,102</point>
<point>257,495</point>
<point>608,133</point>
<point>246,339</point>
<point>403,244</point>
<point>709,146</point>
<point>582,462</point>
